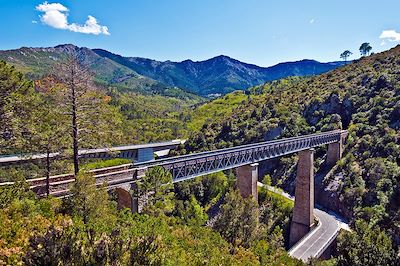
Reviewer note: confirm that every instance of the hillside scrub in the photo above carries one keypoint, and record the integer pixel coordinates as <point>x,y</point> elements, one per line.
<point>363,97</point>
<point>87,229</point>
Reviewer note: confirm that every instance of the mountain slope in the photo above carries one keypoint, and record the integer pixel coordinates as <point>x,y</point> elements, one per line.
<point>36,62</point>
<point>218,75</point>
<point>363,97</point>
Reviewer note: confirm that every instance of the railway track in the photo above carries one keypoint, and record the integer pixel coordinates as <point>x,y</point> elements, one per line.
<point>60,184</point>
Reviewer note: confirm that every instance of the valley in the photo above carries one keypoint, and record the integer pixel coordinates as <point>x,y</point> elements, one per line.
<point>140,101</point>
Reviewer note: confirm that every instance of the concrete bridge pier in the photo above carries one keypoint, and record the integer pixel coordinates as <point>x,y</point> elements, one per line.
<point>334,153</point>
<point>247,177</point>
<point>335,150</point>
<point>303,212</point>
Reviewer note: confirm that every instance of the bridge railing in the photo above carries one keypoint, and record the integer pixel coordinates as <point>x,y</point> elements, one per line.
<point>197,164</point>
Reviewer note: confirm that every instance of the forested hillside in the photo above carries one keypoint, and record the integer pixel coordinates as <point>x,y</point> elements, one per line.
<point>218,75</point>
<point>39,62</point>
<point>86,228</point>
<point>363,97</point>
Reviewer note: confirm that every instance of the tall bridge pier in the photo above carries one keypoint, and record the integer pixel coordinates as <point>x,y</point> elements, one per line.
<point>247,177</point>
<point>303,212</point>
<point>334,153</point>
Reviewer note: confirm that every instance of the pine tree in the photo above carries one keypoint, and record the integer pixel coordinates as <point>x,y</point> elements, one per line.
<point>17,100</point>
<point>157,189</point>
<point>238,221</point>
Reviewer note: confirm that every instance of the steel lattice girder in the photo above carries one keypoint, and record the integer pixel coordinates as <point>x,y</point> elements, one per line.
<point>193,165</point>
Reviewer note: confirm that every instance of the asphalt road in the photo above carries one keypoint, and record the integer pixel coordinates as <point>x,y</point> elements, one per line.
<point>316,241</point>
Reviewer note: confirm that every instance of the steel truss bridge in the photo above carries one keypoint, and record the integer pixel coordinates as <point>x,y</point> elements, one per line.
<point>197,164</point>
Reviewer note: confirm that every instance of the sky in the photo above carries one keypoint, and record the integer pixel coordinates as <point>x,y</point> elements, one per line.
<point>254,31</point>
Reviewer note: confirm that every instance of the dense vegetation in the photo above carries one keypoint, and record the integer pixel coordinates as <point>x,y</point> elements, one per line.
<point>364,98</point>
<point>86,228</point>
<point>36,63</point>
<point>35,117</point>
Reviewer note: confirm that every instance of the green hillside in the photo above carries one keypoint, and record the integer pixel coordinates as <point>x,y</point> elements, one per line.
<point>38,62</point>
<point>363,97</point>
<point>217,75</point>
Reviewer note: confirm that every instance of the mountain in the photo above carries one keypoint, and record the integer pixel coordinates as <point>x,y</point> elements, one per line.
<point>36,62</point>
<point>218,75</point>
<point>215,76</point>
<point>363,97</point>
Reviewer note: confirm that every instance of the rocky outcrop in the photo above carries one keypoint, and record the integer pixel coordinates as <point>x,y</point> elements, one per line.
<point>327,191</point>
<point>332,105</point>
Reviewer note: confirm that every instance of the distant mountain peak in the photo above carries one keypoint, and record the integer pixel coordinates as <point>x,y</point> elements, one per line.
<point>66,45</point>
<point>218,75</point>
<point>221,57</point>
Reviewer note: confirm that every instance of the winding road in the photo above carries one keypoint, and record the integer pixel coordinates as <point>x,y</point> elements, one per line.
<point>317,240</point>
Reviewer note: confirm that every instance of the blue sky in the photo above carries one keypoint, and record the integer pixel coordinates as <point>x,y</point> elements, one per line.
<point>254,31</point>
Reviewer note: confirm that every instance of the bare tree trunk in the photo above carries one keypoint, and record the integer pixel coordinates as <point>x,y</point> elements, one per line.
<point>75,131</point>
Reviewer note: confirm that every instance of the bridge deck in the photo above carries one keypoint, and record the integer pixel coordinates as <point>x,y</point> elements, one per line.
<point>92,153</point>
<point>193,165</point>
<point>197,164</point>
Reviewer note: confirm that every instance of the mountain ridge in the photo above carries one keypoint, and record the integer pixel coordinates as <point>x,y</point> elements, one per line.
<point>218,75</point>
<point>212,77</point>
<point>36,62</point>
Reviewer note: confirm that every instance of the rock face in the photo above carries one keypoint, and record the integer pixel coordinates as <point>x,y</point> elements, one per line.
<point>332,105</point>
<point>327,187</point>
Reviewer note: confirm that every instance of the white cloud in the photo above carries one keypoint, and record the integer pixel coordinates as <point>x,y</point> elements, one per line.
<point>312,21</point>
<point>389,35</point>
<point>91,26</point>
<point>56,16</point>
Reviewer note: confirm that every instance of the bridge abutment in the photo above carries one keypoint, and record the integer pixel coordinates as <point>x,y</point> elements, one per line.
<point>247,177</point>
<point>127,195</point>
<point>303,212</point>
